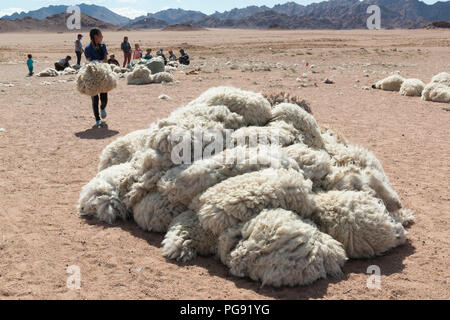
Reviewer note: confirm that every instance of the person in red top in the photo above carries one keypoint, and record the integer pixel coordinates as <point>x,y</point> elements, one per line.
<point>137,52</point>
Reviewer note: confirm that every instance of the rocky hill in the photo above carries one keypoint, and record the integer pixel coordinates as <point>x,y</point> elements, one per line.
<point>54,23</point>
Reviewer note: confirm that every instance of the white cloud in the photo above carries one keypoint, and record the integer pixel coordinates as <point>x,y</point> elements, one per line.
<point>10,11</point>
<point>129,12</point>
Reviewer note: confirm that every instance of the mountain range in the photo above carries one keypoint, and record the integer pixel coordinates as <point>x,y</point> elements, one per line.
<point>332,14</point>
<point>54,23</point>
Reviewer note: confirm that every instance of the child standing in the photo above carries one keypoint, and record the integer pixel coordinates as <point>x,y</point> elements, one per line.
<point>30,65</point>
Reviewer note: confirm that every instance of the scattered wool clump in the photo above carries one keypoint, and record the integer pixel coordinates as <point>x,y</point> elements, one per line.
<point>69,70</point>
<point>49,72</point>
<point>161,77</point>
<point>173,64</point>
<point>391,83</point>
<point>442,78</point>
<point>155,65</point>
<point>436,92</point>
<point>170,69</point>
<point>164,97</point>
<point>142,75</point>
<point>95,78</point>
<point>412,87</point>
<point>284,212</point>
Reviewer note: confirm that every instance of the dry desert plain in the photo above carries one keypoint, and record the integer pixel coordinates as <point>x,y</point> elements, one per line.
<point>49,150</point>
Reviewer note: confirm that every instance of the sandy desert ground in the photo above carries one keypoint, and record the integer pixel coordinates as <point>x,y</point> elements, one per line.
<point>49,150</point>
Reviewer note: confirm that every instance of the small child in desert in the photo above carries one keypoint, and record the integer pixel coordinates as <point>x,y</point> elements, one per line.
<point>30,65</point>
<point>148,56</point>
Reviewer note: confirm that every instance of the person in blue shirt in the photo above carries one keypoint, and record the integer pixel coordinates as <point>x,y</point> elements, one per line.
<point>96,51</point>
<point>184,58</point>
<point>30,65</point>
<point>148,56</point>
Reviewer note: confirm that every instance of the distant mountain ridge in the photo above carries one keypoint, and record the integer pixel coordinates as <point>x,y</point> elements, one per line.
<point>53,23</point>
<point>332,14</point>
<point>94,11</point>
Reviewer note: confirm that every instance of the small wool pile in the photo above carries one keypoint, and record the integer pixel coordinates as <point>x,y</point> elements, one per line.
<point>95,78</point>
<point>49,72</point>
<point>142,75</point>
<point>285,209</point>
<point>438,90</point>
<point>155,65</point>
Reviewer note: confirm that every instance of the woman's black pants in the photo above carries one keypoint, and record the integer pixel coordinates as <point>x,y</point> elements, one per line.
<point>104,102</point>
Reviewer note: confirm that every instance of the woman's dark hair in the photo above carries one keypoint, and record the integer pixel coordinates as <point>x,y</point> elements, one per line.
<point>94,32</point>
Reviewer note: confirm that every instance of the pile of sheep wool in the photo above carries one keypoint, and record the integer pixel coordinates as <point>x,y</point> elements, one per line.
<point>142,75</point>
<point>284,211</point>
<point>438,90</point>
<point>49,72</point>
<point>95,78</point>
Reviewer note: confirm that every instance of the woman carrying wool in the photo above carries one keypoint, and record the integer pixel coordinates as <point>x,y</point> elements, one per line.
<point>96,51</point>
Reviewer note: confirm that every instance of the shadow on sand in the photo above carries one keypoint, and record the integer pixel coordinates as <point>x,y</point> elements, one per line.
<point>97,133</point>
<point>390,263</point>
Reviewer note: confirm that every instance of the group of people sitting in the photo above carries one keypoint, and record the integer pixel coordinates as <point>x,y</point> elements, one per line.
<point>137,53</point>
<point>128,53</point>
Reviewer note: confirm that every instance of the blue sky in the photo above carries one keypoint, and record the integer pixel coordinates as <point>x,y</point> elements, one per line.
<point>134,8</point>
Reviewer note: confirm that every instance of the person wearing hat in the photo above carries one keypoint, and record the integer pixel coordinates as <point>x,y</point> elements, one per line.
<point>79,48</point>
<point>112,60</point>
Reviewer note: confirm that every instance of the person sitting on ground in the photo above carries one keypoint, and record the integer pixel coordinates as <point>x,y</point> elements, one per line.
<point>63,63</point>
<point>148,56</point>
<point>172,57</point>
<point>184,58</point>
<point>160,53</point>
<point>30,65</point>
<point>137,52</point>
<point>112,60</point>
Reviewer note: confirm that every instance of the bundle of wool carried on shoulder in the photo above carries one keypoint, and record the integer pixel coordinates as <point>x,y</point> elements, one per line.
<point>49,72</point>
<point>95,78</point>
<point>257,183</point>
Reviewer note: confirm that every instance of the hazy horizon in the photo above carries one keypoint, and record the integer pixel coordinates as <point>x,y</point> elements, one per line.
<point>135,8</point>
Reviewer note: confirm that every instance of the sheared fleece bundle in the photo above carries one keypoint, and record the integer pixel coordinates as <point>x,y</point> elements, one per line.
<point>49,72</point>
<point>438,90</point>
<point>412,87</point>
<point>284,212</point>
<point>142,75</point>
<point>391,83</point>
<point>95,78</point>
